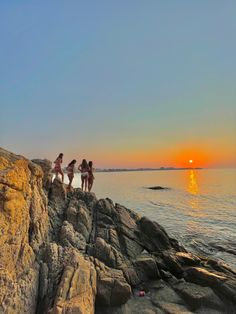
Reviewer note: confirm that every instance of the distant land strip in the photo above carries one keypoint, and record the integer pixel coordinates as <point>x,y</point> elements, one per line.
<point>139,169</point>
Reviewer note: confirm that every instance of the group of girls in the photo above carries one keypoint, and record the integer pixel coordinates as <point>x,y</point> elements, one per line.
<point>85,168</point>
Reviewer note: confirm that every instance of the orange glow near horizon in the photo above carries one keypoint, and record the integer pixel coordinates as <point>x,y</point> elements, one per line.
<point>179,156</point>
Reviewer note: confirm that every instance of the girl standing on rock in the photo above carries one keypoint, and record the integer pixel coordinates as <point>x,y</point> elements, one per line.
<point>70,172</point>
<point>83,168</point>
<point>90,176</point>
<point>57,167</point>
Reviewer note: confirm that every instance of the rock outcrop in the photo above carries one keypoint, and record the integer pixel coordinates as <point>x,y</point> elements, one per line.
<point>68,252</point>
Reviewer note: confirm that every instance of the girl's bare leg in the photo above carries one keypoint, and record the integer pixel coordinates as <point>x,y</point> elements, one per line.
<point>90,186</point>
<point>62,176</point>
<point>86,184</point>
<point>70,182</point>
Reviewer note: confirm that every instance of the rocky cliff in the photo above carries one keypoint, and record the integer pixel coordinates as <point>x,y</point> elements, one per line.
<point>72,253</point>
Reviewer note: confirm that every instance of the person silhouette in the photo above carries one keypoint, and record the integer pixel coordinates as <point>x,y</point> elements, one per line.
<point>57,167</point>
<point>70,172</point>
<point>83,168</point>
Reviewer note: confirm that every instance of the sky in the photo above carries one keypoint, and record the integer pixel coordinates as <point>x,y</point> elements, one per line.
<point>123,83</point>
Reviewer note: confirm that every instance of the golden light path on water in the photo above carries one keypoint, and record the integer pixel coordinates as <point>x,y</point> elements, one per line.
<point>193,199</point>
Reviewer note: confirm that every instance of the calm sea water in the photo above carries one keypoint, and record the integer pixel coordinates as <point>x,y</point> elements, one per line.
<point>199,209</point>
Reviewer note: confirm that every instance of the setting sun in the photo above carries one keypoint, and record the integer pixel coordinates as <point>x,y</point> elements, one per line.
<point>190,161</point>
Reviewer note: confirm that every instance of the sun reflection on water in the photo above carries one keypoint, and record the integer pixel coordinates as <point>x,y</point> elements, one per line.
<point>193,185</point>
<point>193,189</point>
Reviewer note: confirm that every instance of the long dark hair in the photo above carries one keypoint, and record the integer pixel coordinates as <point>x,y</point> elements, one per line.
<point>59,156</point>
<point>90,164</point>
<point>72,163</point>
<point>84,164</point>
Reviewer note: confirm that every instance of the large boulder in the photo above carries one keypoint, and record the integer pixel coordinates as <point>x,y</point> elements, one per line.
<point>112,287</point>
<point>24,228</point>
<point>77,288</point>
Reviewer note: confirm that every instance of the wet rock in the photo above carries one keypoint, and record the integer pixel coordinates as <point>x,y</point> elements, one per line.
<point>187,259</point>
<point>172,263</point>
<point>203,276</point>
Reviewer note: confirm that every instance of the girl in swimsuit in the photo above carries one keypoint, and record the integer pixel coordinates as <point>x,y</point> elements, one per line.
<point>57,167</point>
<point>83,168</point>
<point>90,176</point>
<point>70,172</point>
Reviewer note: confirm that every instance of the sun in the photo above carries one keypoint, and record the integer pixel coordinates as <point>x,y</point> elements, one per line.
<point>190,161</point>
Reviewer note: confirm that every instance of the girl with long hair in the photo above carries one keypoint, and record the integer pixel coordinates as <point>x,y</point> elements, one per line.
<point>70,172</point>
<point>57,167</point>
<point>90,176</point>
<point>83,168</point>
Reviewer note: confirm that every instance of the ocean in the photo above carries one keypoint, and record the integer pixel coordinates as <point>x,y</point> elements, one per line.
<point>198,208</point>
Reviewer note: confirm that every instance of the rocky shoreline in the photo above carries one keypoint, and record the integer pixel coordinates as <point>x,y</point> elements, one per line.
<point>72,253</point>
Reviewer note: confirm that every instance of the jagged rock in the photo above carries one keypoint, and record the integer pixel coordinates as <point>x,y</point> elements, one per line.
<point>106,207</point>
<point>77,289</point>
<point>165,295</point>
<point>46,166</point>
<point>135,305</point>
<point>58,192</point>
<point>70,237</point>
<point>203,276</point>
<point>80,217</point>
<point>172,308</point>
<point>198,296</point>
<point>187,259</point>
<point>106,253</point>
<point>172,263</point>
<point>56,207</point>
<point>155,237</point>
<point>220,266</point>
<point>112,288</point>
<point>45,239</point>
<point>146,268</point>
<point>224,285</point>
<point>23,228</point>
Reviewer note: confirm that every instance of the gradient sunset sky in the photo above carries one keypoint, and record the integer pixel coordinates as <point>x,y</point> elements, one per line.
<point>124,83</point>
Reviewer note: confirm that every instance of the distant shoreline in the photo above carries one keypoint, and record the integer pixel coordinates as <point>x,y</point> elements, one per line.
<point>148,169</point>
<point>145,169</point>
<point>140,169</point>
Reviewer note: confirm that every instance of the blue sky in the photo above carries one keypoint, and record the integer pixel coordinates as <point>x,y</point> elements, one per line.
<point>120,82</point>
